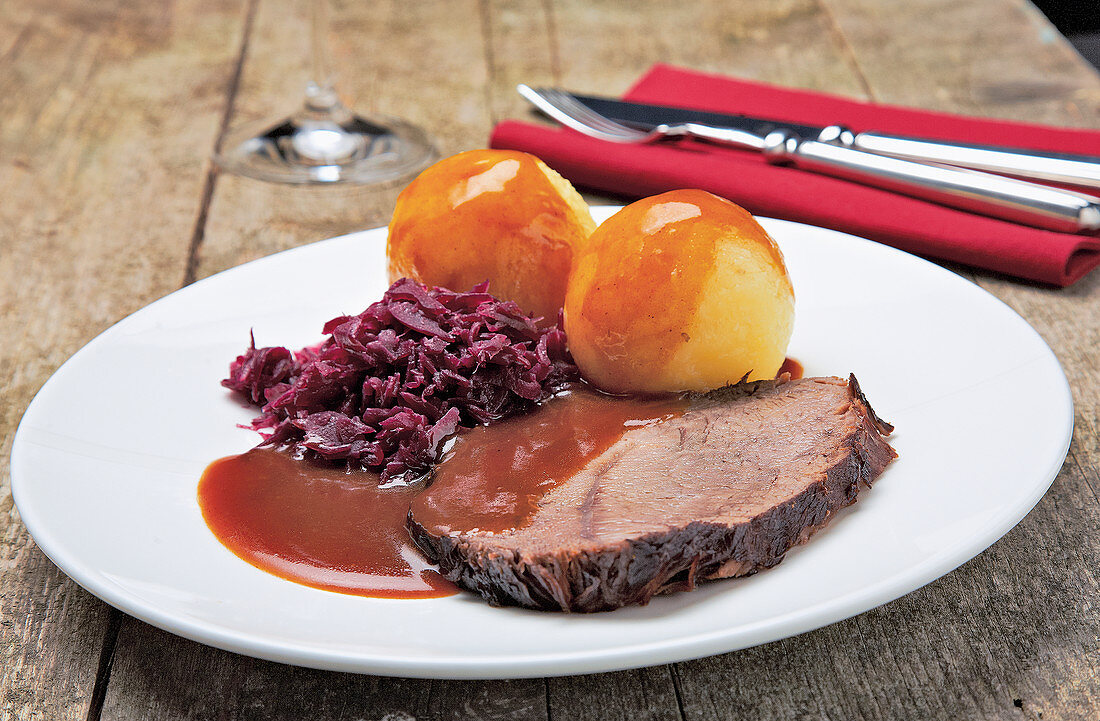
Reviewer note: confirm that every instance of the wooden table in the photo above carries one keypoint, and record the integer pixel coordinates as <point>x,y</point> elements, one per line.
<point>110,113</point>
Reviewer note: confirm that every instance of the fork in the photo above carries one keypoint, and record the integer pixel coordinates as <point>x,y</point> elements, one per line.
<point>575,115</point>
<point>972,190</point>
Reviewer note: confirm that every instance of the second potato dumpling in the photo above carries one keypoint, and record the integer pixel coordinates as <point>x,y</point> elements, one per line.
<point>679,291</point>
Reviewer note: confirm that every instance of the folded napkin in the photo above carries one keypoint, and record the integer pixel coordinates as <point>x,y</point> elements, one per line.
<point>781,192</point>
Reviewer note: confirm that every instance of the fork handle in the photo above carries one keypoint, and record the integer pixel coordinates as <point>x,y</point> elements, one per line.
<point>1019,201</point>
<point>1078,170</point>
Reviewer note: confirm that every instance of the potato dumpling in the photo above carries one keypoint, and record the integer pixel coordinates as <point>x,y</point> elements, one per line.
<point>680,291</point>
<point>496,215</point>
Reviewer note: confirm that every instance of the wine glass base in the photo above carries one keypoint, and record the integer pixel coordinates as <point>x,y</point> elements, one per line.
<point>322,151</point>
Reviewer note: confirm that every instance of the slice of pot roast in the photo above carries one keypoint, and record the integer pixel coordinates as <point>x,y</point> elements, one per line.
<point>724,489</point>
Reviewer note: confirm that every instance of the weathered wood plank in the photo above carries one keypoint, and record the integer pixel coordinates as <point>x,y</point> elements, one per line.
<point>1000,59</point>
<point>1014,630</point>
<point>605,46</point>
<point>522,47</point>
<point>109,113</point>
<point>157,675</point>
<point>443,90</point>
<point>1003,62</point>
<point>168,677</point>
<point>644,694</point>
<point>781,41</point>
<point>969,645</point>
<point>516,700</point>
<point>1014,633</point>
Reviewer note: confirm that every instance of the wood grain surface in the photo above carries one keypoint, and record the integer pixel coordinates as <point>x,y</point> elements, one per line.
<point>108,199</point>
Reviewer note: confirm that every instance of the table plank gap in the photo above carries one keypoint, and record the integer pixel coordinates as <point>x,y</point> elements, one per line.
<point>677,686</point>
<point>484,12</point>
<point>106,661</point>
<point>846,49</point>
<point>525,46</point>
<point>156,675</point>
<point>199,232</point>
<point>970,60</point>
<point>16,44</point>
<point>1087,457</point>
<point>555,40</point>
<point>109,111</point>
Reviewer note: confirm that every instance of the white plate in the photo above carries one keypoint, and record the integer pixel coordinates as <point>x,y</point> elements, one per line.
<point>107,458</point>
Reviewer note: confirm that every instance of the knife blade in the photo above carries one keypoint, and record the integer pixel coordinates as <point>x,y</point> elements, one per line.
<point>1062,168</point>
<point>647,116</point>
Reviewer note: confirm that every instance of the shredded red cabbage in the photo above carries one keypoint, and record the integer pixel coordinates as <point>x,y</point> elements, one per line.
<point>390,385</point>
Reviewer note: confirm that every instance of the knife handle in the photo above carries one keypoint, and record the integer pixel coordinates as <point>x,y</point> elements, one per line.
<point>1019,201</point>
<point>1079,170</point>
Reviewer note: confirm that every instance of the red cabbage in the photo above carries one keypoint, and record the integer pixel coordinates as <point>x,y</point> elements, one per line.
<point>388,386</point>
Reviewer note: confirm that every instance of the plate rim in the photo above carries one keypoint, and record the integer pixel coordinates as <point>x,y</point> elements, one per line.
<point>538,664</point>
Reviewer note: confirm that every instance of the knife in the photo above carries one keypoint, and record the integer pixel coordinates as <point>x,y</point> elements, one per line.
<point>1011,199</point>
<point>1060,168</point>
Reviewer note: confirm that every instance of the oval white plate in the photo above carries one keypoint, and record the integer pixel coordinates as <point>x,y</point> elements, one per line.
<point>106,461</point>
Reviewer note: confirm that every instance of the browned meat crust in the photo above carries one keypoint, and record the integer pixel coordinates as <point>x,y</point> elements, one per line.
<point>838,451</point>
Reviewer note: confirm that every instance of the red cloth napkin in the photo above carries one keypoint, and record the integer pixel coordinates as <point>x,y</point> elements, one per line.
<point>747,179</point>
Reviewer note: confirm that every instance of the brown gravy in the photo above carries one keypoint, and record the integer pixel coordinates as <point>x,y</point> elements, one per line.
<point>323,527</point>
<point>790,365</point>
<point>317,525</point>
<point>494,476</point>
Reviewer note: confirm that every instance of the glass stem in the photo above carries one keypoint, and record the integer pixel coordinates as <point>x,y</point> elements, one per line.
<point>320,93</point>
